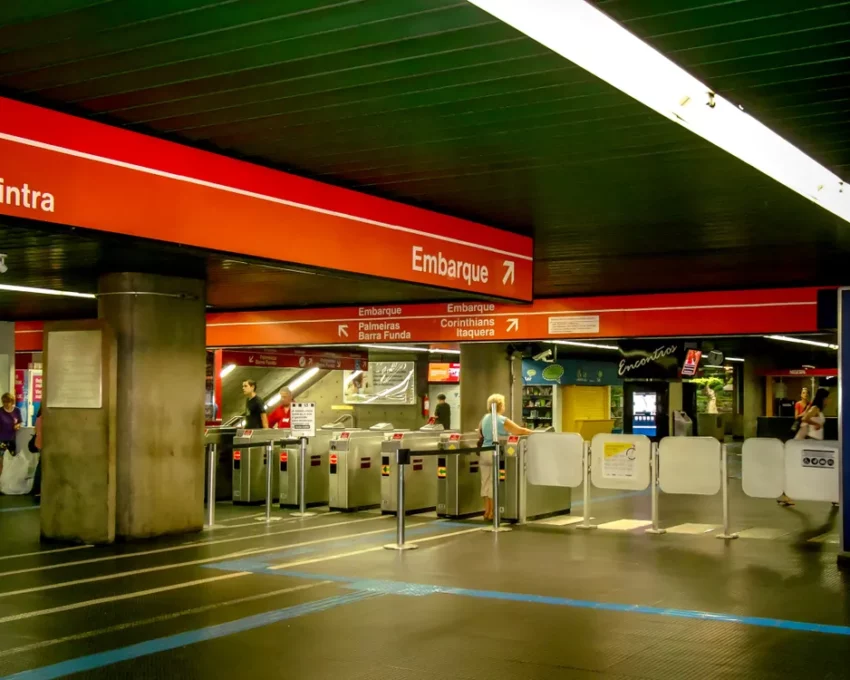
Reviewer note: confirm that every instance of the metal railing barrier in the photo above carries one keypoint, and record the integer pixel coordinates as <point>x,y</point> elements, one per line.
<point>269,446</point>
<point>403,457</point>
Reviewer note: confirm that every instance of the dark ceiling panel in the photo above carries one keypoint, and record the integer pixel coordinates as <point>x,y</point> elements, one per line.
<point>43,256</point>
<point>435,103</point>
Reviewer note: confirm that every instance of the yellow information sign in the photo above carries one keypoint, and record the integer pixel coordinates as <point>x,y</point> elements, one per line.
<point>618,460</point>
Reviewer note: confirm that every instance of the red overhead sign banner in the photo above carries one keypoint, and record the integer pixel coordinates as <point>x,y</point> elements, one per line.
<point>67,170</point>
<point>670,314</point>
<point>297,358</point>
<point>753,312</point>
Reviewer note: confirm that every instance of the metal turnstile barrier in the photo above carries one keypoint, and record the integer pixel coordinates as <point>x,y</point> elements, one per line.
<point>355,468</point>
<point>521,501</point>
<point>421,480</point>
<point>403,459</point>
<point>218,444</point>
<point>316,469</point>
<point>250,463</point>
<point>459,477</point>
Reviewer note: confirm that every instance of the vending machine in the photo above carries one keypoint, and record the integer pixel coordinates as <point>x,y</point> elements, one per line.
<point>646,409</point>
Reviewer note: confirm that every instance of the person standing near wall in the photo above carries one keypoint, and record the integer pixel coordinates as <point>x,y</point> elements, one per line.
<point>255,410</point>
<point>443,412</point>
<point>10,423</point>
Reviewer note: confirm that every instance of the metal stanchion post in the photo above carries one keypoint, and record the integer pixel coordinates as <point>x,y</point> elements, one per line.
<point>302,481</point>
<point>653,468</point>
<point>585,522</point>
<point>402,456</point>
<point>269,452</point>
<point>724,485</point>
<point>211,457</point>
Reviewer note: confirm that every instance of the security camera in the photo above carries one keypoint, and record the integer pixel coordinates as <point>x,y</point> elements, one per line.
<point>3,267</point>
<point>545,355</point>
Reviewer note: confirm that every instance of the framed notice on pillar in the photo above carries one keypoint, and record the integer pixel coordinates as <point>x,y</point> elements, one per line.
<point>75,369</point>
<point>303,419</point>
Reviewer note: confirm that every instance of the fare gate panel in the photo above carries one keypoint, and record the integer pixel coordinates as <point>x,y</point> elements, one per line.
<point>355,468</point>
<point>459,477</point>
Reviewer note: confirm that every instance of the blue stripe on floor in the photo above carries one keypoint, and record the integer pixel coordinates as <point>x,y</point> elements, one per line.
<point>418,589</point>
<point>94,661</point>
<point>26,507</point>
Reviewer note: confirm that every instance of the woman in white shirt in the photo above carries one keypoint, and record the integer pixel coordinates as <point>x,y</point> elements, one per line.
<point>811,427</point>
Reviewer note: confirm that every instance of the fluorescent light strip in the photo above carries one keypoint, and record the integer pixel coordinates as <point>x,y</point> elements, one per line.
<point>396,348</point>
<point>572,343</point>
<point>408,348</point>
<point>227,370</point>
<point>587,37</point>
<point>46,291</point>
<point>801,341</point>
<point>303,378</point>
<point>735,359</point>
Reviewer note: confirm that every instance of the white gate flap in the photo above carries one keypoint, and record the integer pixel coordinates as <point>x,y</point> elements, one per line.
<point>620,461</point>
<point>555,459</point>
<point>689,465</point>
<point>812,469</point>
<point>763,467</point>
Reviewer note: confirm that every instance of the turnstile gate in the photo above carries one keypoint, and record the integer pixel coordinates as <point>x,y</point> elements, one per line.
<point>518,500</point>
<point>355,468</point>
<point>459,477</point>
<point>316,480</point>
<point>250,457</point>
<point>420,475</point>
<point>222,438</point>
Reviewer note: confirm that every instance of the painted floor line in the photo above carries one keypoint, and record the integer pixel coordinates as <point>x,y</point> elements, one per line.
<point>420,589</point>
<point>116,598</point>
<point>178,565</point>
<point>185,546</point>
<point>286,520</point>
<point>102,659</point>
<point>22,509</point>
<point>46,552</point>
<point>41,644</point>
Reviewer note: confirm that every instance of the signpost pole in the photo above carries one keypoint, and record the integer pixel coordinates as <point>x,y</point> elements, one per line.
<point>402,457</point>
<point>653,470</point>
<point>302,481</point>
<point>585,523</point>
<point>724,485</point>
<point>211,457</point>
<point>496,528</point>
<point>269,452</point>
<point>844,426</point>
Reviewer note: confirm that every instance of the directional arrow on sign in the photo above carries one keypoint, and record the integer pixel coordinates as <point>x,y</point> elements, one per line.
<point>251,359</point>
<point>342,329</point>
<point>513,325</point>
<point>510,272</point>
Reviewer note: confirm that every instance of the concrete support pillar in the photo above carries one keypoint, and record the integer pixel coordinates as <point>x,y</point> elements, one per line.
<point>160,331</point>
<point>7,357</point>
<point>485,369</point>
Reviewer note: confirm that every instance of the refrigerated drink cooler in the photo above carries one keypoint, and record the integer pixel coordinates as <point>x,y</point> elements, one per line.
<point>519,501</point>
<point>249,465</point>
<point>222,437</point>
<point>420,476</point>
<point>459,477</point>
<point>355,468</point>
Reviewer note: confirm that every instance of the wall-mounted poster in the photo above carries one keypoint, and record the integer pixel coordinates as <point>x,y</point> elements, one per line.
<point>382,382</point>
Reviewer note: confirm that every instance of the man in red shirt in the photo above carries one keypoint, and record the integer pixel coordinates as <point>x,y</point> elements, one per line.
<point>281,417</point>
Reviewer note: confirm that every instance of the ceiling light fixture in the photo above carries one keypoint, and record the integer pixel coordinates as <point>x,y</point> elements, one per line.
<point>735,359</point>
<point>227,370</point>
<point>303,378</point>
<point>397,348</point>
<point>572,343</point>
<point>46,291</point>
<point>801,341</point>
<point>589,38</point>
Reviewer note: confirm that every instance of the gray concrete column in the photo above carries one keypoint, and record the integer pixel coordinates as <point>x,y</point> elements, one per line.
<point>160,331</point>
<point>484,369</point>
